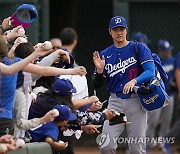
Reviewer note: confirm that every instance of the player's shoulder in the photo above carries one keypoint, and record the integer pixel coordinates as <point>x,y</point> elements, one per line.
<point>141,47</point>
<point>107,50</point>
<point>138,45</point>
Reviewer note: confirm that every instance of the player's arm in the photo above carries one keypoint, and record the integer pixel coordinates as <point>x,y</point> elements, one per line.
<point>148,72</point>
<point>147,75</point>
<point>56,145</point>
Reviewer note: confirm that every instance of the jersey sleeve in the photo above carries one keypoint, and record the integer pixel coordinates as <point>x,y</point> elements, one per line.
<point>144,53</point>
<point>149,72</point>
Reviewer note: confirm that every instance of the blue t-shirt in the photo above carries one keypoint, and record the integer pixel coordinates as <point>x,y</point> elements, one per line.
<point>7,90</point>
<point>121,65</point>
<point>49,129</point>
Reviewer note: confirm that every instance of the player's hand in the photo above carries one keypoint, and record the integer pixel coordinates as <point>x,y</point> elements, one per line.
<point>98,62</point>
<point>128,87</point>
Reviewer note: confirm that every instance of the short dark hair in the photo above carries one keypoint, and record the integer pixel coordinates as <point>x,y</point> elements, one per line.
<point>68,35</point>
<point>23,50</point>
<point>53,98</point>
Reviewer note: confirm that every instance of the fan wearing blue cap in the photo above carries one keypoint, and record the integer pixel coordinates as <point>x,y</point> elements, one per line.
<point>164,49</point>
<point>59,93</point>
<point>49,132</point>
<point>118,65</point>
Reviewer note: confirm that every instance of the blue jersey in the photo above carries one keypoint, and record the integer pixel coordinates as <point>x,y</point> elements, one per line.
<point>168,66</point>
<point>177,61</point>
<point>7,90</point>
<point>121,65</point>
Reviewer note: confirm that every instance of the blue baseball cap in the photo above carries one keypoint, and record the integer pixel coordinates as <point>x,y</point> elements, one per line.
<point>140,37</point>
<point>24,15</point>
<point>117,21</point>
<point>164,45</point>
<point>65,113</point>
<point>63,87</point>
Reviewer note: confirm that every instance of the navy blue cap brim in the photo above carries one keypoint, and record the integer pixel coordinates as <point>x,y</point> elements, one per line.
<point>72,117</point>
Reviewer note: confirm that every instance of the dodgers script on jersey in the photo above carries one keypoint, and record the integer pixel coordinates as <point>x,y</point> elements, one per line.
<point>121,65</point>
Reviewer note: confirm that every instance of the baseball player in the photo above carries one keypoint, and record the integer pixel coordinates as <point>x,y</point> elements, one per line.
<point>120,66</point>
<point>164,49</point>
<point>140,37</point>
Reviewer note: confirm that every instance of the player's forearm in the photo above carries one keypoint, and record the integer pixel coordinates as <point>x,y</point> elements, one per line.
<point>148,74</point>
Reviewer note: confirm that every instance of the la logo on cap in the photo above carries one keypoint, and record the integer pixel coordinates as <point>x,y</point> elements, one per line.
<point>118,20</point>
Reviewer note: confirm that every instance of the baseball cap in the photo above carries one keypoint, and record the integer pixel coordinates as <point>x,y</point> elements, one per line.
<point>140,37</point>
<point>65,113</point>
<point>24,15</point>
<point>117,21</point>
<point>164,45</point>
<point>63,87</point>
